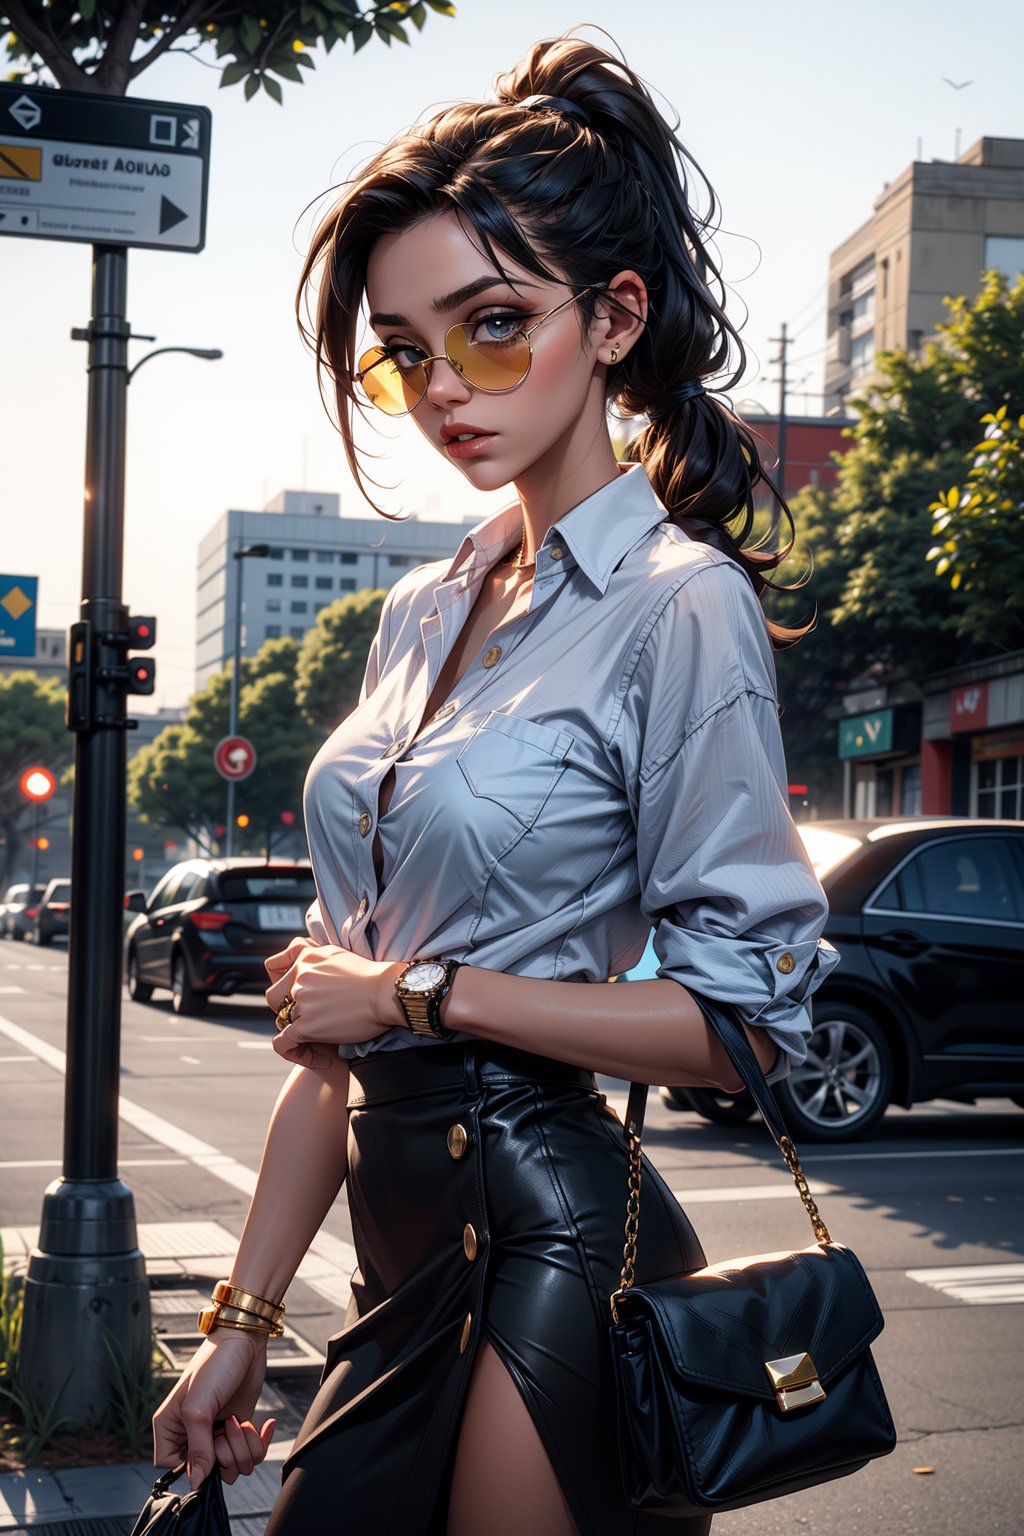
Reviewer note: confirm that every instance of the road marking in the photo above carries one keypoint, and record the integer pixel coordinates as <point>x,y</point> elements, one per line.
<point>328,1261</point>
<point>255,1045</point>
<point>980,1285</point>
<point>780,1191</point>
<point>17,1058</point>
<point>12,989</point>
<point>193,1059</point>
<point>35,966</point>
<point>172,1039</point>
<point>122,1162</point>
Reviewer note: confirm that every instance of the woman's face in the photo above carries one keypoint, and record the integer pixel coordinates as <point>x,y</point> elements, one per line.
<point>423,279</point>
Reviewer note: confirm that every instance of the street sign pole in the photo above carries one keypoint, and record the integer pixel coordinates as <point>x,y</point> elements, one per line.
<point>86,1291</point>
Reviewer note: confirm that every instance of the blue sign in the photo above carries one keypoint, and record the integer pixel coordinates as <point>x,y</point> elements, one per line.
<point>18,608</point>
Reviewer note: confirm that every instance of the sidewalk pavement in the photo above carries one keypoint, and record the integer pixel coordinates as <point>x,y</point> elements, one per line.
<point>105,1501</point>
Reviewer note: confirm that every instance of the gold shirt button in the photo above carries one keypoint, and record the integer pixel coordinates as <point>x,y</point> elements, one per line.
<point>395,748</point>
<point>362,907</point>
<point>365,823</point>
<point>785,962</point>
<point>444,711</point>
<point>557,551</point>
<point>469,1240</point>
<point>457,1140</point>
<point>467,1329</point>
<point>492,656</point>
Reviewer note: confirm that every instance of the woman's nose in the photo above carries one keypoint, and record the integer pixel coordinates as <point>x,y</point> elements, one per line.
<point>447,386</point>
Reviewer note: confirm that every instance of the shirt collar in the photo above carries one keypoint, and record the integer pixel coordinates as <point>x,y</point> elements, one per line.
<point>598,530</point>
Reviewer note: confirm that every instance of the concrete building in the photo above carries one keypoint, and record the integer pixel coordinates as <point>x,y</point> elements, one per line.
<point>316,556</point>
<point>934,230</point>
<point>50,659</point>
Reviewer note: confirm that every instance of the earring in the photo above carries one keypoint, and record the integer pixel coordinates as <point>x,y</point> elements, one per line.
<point>615,352</point>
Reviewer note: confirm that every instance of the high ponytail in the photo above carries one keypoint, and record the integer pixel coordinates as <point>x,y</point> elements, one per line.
<point>587,186</point>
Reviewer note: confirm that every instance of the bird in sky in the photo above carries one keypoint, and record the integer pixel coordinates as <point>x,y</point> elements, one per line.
<point>954,84</point>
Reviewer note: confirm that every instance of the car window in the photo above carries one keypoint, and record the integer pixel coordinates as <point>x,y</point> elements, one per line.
<point>61,891</point>
<point>165,891</point>
<point>268,885</point>
<point>188,886</point>
<point>961,877</point>
<point>16,893</point>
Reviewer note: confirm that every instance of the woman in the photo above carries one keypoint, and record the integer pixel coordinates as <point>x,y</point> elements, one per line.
<point>566,735</point>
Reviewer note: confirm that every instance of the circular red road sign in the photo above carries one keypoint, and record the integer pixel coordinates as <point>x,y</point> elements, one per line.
<point>37,783</point>
<point>234,757</point>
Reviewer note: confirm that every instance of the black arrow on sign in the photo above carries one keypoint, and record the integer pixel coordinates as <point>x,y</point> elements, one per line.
<point>169,215</point>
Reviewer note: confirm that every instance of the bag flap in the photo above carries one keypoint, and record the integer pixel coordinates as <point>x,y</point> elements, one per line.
<point>719,1325</point>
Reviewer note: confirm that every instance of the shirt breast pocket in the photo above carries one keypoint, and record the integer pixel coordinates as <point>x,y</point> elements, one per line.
<point>514,762</point>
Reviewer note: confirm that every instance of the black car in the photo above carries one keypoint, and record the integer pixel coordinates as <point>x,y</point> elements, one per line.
<point>53,915</point>
<point>208,926</point>
<point>19,910</point>
<point>928,917</point>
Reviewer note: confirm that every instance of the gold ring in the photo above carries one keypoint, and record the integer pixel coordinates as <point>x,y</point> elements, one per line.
<point>283,1016</point>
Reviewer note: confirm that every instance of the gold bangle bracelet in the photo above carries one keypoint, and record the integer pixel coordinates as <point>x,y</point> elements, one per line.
<point>236,1296</point>
<point>219,1316</point>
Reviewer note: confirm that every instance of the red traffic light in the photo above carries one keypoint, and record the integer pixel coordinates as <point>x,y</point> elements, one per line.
<point>141,632</point>
<point>288,818</point>
<point>141,675</point>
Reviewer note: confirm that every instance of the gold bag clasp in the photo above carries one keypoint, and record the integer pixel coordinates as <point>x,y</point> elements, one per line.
<point>795,1379</point>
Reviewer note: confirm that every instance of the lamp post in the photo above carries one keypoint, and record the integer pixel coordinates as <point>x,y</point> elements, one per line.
<point>254,552</point>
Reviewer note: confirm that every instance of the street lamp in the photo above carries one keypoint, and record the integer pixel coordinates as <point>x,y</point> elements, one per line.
<point>208,354</point>
<point>254,552</point>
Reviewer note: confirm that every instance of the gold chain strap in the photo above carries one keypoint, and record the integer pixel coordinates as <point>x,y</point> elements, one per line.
<point>627,1275</point>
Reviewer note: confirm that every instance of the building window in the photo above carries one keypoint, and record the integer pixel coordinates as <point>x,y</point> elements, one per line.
<point>297,633</point>
<point>1006,253</point>
<point>273,605</point>
<point>910,790</point>
<point>323,583</point>
<point>277,554</point>
<point>1000,787</point>
<point>398,560</point>
<point>273,631</point>
<point>862,352</point>
<point>275,579</point>
<point>325,557</point>
<point>864,306</point>
<point>347,584</point>
<point>300,554</point>
<point>300,607</point>
<point>348,557</point>
<point>319,607</point>
<point>300,581</point>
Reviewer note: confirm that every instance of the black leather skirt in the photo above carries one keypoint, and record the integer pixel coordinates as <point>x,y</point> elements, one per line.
<point>487,1192</point>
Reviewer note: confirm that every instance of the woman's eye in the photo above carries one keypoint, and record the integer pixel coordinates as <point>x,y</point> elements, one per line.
<point>498,328</point>
<point>404,355</point>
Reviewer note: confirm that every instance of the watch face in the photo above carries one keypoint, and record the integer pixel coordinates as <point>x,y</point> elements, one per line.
<point>423,978</point>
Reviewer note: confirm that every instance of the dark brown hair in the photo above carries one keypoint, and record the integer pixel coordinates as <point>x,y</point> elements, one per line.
<point>592,195</point>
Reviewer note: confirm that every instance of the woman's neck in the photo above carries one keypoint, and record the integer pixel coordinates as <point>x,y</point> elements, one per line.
<point>578,465</point>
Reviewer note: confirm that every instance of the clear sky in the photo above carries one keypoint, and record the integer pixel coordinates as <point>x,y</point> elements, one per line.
<point>798,112</point>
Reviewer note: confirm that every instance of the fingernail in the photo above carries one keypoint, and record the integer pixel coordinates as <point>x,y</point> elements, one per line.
<point>234,1420</point>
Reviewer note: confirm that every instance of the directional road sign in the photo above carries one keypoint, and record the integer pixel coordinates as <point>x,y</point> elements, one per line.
<point>111,170</point>
<point>18,603</point>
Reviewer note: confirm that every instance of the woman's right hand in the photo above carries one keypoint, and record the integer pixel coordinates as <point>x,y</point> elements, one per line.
<point>222,1381</point>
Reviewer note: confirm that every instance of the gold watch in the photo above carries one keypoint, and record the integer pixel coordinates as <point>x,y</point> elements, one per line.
<point>420,987</point>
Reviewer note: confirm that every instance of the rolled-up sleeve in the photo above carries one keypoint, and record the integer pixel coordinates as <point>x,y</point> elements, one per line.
<point>725,880</point>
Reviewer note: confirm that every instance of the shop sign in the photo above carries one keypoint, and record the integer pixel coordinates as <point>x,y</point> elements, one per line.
<point>866,735</point>
<point>968,707</point>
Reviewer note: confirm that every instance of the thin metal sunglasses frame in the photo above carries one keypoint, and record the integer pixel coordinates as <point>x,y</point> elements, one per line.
<point>446,356</point>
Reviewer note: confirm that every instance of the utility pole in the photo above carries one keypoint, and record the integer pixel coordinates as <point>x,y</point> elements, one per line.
<point>782,342</point>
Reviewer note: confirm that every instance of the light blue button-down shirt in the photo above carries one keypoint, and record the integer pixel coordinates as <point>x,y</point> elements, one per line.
<point>617,767</point>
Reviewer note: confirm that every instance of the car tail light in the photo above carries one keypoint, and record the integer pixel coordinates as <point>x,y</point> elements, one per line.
<point>31,911</point>
<point>210,917</point>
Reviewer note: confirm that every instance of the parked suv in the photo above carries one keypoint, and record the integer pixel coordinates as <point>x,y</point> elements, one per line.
<point>54,913</point>
<point>208,926</point>
<point>19,909</point>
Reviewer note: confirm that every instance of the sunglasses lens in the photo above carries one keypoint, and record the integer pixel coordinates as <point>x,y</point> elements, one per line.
<point>486,364</point>
<point>388,387</point>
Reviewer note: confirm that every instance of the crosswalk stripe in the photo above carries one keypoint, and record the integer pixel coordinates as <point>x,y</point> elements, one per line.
<point>979,1285</point>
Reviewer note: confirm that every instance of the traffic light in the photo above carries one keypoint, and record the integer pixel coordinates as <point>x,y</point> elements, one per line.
<point>141,637</point>
<point>242,821</point>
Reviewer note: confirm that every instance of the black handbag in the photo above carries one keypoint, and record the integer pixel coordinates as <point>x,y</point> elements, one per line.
<point>201,1512</point>
<point>751,1378</point>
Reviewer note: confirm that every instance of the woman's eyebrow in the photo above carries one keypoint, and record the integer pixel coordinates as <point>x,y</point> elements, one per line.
<point>450,301</point>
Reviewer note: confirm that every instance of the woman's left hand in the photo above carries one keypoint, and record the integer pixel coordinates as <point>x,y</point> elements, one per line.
<point>339,999</point>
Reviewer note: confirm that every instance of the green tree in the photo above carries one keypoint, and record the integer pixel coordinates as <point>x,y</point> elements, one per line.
<point>173,783</point>
<point>981,526</point>
<point>34,734</point>
<point>103,45</point>
<point>333,658</point>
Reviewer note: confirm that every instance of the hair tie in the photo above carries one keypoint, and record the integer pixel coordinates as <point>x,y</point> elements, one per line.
<point>667,402</point>
<point>555,104</point>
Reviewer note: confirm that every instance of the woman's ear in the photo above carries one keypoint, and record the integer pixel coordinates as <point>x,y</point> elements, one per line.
<point>621,308</point>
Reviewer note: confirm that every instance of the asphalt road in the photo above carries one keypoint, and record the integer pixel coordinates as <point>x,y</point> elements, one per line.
<point>932,1204</point>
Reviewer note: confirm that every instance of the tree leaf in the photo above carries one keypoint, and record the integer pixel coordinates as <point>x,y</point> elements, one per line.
<point>252,33</point>
<point>361,34</point>
<point>272,89</point>
<point>252,85</point>
<point>285,67</point>
<point>232,73</point>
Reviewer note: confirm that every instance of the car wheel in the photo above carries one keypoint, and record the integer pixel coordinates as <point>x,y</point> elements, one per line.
<point>138,991</point>
<point>721,1108</point>
<point>674,1098</point>
<point>43,938</point>
<point>844,1086</point>
<point>186,997</point>
<point>17,935</point>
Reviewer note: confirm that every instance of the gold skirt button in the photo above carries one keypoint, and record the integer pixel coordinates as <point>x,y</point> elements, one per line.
<point>469,1240</point>
<point>467,1329</point>
<point>457,1140</point>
